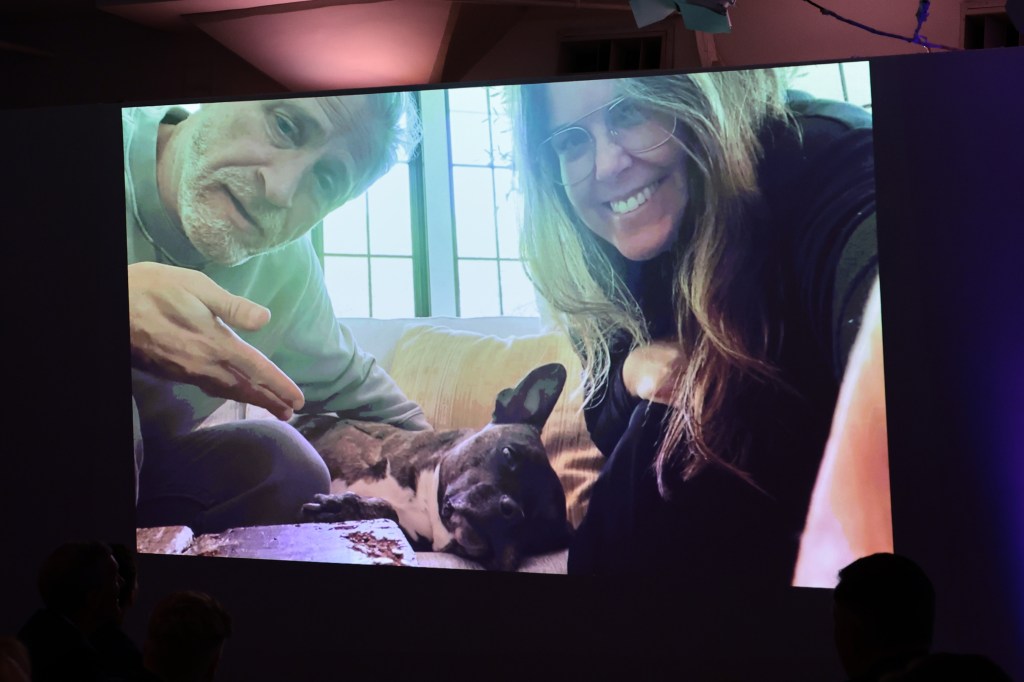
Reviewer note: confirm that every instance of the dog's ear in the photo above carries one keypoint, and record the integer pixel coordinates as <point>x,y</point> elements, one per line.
<point>532,401</point>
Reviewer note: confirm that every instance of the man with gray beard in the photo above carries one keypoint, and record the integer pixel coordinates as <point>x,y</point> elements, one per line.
<point>227,299</point>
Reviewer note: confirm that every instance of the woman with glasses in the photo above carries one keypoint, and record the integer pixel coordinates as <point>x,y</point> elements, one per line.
<point>708,243</point>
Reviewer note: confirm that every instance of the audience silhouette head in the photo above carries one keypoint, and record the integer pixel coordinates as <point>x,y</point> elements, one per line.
<point>128,571</point>
<point>884,610</point>
<point>186,634</point>
<point>79,585</point>
<point>80,581</point>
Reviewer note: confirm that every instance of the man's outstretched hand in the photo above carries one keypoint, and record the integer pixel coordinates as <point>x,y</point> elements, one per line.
<point>181,329</point>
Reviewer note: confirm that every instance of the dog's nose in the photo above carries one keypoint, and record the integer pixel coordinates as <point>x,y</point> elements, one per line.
<point>509,508</point>
<point>446,510</point>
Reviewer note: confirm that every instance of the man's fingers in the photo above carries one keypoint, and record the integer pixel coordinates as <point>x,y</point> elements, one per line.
<point>254,368</point>
<point>228,383</point>
<point>259,396</point>
<point>183,328</point>
<point>267,379</point>
<point>282,396</point>
<point>265,384</point>
<point>236,311</point>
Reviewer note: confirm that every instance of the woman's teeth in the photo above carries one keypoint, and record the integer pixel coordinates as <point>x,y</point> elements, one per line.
<point>634,202</point>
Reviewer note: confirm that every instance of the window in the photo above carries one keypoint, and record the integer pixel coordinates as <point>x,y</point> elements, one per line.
<point>985,24</point>
<point>610,54</point>
<point>993,29</point>
<point>368,253</point>
<point>487,209</point>
<point>847,82</point>
<point>439,234</point>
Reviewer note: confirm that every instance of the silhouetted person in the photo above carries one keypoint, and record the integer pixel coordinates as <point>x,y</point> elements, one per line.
<point>884,610</point>
<point>119,655</point>
<point>186,634</point>
<point>944,667</point>
<point>14,661</point>
<point>129,572</point>
<point>79,584</point>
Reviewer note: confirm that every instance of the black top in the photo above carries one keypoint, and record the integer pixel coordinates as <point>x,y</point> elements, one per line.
<point>816,212</point>
<point>59,650</point>
<point>119,655</point>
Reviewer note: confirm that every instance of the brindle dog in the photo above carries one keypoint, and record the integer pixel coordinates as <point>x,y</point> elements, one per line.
<point>489,495</point>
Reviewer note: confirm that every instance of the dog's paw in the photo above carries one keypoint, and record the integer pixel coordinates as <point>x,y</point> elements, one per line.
<point>328,508</point>
<point>347,507</point>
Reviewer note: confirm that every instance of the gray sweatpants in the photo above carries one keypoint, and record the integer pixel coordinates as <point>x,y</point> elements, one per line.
<point>244,473</point>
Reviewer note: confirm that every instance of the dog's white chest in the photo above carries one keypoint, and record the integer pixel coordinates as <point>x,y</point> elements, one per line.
<point>417,508</point>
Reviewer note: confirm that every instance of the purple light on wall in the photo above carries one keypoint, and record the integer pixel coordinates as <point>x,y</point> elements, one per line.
<point>1011,396</point>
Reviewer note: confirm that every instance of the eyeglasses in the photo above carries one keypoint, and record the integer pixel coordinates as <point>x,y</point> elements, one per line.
<point>569,155</point>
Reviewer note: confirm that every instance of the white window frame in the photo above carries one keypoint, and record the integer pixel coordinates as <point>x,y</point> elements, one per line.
<point>438,205</point>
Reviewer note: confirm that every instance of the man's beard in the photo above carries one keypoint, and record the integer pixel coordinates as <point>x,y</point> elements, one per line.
<point>213,234</point>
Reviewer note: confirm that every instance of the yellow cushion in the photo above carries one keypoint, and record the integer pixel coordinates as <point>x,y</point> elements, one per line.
<point>455,376</point>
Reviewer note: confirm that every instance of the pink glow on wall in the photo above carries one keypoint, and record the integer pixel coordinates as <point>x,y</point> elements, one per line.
<point>349,46</point>
<point>176,14</point>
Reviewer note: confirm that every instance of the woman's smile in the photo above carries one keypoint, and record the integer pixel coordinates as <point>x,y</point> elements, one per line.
<point>633,200</point>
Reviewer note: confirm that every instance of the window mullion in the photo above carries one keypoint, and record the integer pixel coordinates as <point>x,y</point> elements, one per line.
<point>438,204</point>
<point>494,202</point>
<point>369,253</point>
<point>420,250</point>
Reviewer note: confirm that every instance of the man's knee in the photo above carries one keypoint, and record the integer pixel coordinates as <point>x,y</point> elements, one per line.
<point>293,462</point>
<point>243,473</point>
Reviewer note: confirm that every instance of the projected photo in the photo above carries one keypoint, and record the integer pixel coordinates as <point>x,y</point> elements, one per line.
<point>608,327</point>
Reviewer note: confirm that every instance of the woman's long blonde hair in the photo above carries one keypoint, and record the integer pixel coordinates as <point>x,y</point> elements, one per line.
<point>721,293</point>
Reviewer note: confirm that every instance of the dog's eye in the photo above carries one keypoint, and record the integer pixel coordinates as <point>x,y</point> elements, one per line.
<point>509,457</point>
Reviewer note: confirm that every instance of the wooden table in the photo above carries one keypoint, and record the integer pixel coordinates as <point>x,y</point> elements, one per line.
<point>375,542</point>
